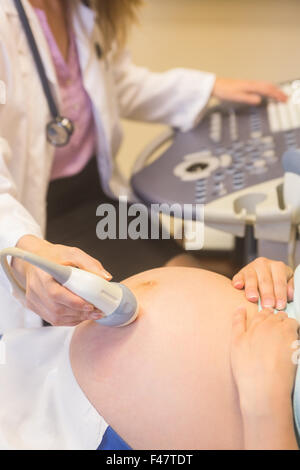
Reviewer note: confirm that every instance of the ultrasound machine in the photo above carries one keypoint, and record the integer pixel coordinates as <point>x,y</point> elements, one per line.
<point>231,163</point>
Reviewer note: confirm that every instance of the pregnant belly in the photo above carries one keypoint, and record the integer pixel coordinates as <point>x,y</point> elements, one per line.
<point>165,381</point>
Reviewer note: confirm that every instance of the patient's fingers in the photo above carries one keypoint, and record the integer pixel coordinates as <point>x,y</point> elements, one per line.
<point>293,326</point>
<point>251,285</point>
<point>271,280</point>
<point>290,286</point>
<point>238,281</point>
<point>239,323</point>
<point>283,283</point>
<point>266,285</point>
<point>280,316</point>
<point>290,290</point>
<point>278,271</point>
<point>260,317</point>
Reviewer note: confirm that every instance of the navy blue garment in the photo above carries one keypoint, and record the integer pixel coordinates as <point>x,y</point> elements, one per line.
<point>112,441</point>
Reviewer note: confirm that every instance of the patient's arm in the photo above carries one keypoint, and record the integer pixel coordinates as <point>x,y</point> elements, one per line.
<point>261,357</point>
<point>165,381</point>
<point>274,430</point>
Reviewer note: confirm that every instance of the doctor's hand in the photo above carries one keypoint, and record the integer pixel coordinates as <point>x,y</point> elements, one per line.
<point>273,281</point>
<point>246,91</point>
<point>51,301</point>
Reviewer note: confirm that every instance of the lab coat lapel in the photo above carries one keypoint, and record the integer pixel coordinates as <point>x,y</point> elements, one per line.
<point>38,33</point>
<point>83,23</point>
<point>83,20</point>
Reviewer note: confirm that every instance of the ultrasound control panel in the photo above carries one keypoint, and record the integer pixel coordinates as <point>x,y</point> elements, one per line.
<point>235,151</point>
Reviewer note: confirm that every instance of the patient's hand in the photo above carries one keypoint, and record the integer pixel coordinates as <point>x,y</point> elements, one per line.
<point>261,359</point>
<point>271,280</point>
<point>264,372</point>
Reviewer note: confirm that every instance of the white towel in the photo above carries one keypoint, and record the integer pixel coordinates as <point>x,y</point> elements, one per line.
<point>42,406</point>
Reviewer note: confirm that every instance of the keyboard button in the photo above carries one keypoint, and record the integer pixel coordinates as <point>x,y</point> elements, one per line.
<point>233,126</point>
<point>226,160</point>
<point>284,116</point>
<point>287,89</point>
<point>268,141</point>
<point>294,110</point>
<point>238,181</point>
<point>219,176</point>
<point>219,190</point>
<point>259,166</point>
<point>216,127</point>
<point>269,154</point>
<point>256,134</point>
<point>274,119</point>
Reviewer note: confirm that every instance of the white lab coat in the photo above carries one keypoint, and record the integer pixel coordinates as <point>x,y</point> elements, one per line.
<point>117,89</point>
<point>43,407</point>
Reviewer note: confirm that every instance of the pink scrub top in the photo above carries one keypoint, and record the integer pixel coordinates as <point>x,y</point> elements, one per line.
<point>75,105</point>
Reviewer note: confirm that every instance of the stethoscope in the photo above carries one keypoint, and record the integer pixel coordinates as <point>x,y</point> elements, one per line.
<point>60,129</point>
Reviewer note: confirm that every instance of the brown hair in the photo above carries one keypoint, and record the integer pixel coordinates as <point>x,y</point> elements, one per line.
<point>115,18</point>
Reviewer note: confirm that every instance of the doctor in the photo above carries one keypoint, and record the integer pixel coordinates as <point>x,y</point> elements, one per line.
<point>89,83</point>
